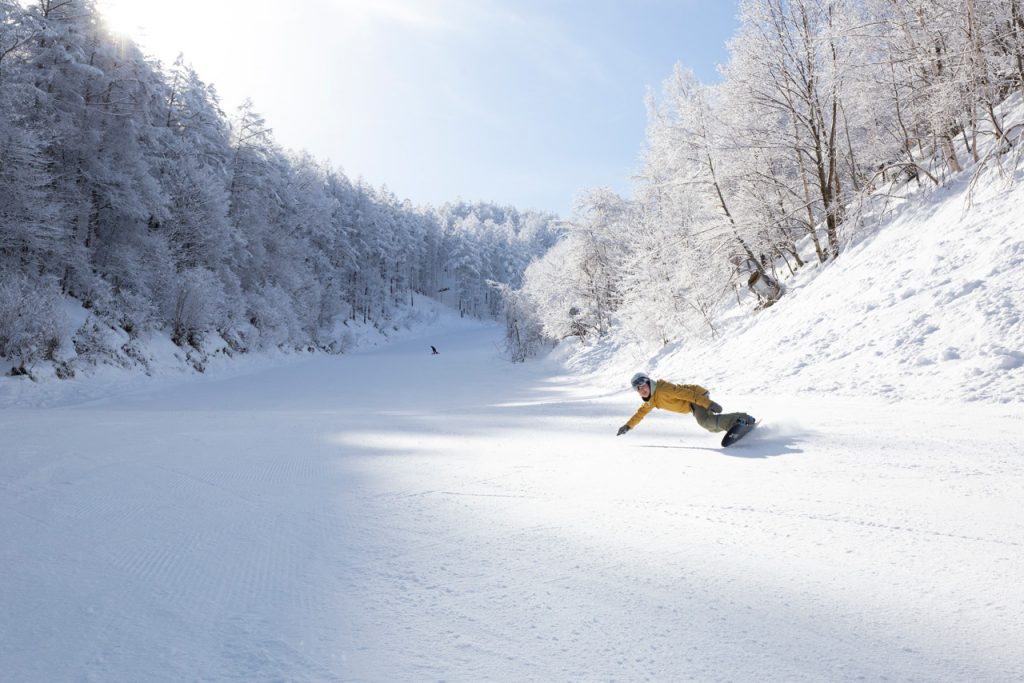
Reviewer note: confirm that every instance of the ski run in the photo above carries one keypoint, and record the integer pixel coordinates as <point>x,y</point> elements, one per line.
<point>391,514</point>
<point>395,515</point>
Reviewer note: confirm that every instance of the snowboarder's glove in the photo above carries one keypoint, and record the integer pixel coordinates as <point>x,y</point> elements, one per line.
<point>715,408</point>
<point>622,430</point>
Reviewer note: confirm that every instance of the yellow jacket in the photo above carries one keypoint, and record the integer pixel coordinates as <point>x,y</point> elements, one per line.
<point>674,397</point>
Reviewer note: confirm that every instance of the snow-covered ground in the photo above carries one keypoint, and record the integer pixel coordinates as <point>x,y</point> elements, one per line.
<point>393,515</point>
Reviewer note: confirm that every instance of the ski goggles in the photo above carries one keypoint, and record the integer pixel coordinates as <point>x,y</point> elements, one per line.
<point>639,382</point>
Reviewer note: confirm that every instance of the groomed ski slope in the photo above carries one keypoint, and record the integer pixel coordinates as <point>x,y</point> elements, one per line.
<point>396,516</point>
<point>391,515</point>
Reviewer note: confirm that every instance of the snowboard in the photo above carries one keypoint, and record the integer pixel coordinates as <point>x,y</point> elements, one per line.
<point>736,432</point>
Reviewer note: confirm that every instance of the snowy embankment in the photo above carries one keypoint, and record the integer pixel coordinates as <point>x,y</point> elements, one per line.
<point>929,307</point>
<point>396,515</point>
<point>126,364</point>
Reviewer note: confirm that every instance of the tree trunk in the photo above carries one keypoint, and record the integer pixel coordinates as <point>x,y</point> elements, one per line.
<point>1017,21</point>
<point>728,214</point>
<point>950,153</point>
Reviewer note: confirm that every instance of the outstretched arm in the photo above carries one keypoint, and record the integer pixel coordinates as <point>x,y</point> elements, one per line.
<point>635,420</point>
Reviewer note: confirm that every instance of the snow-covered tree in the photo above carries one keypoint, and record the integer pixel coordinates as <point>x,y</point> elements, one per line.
<point>124,186</point>
<point>824,106</point>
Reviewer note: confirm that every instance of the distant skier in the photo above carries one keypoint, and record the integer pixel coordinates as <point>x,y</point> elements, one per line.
<point>434,349</point>
<point>686,398</point>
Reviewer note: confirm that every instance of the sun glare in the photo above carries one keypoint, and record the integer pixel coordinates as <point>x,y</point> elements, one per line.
<point>127,18</point>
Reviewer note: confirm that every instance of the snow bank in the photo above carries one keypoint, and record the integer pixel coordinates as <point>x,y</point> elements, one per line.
<point>115,362</point>
<point>928,306</point>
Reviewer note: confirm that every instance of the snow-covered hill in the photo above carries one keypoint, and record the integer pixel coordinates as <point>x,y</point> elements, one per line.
<point>928,306</point>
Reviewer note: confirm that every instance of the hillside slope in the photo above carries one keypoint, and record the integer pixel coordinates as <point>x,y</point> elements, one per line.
<point>929,305</point>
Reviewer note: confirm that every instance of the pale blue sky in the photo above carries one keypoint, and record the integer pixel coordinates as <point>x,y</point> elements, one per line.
<point>522,102</point>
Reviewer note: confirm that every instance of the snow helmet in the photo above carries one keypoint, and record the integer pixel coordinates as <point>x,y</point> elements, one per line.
<point>639,379</point>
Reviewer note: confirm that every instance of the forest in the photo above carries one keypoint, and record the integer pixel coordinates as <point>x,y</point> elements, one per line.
<point>828,114</point>
<point>126,190</point>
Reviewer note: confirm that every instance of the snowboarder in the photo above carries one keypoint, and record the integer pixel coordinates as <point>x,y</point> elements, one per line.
<point>684,398</point>
<point>434,350</point>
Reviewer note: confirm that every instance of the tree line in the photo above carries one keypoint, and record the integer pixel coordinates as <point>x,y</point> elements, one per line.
<point>827,110</point>
<point>125,187</point>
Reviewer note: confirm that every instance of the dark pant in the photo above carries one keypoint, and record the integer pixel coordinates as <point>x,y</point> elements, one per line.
<point>715,423</point>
